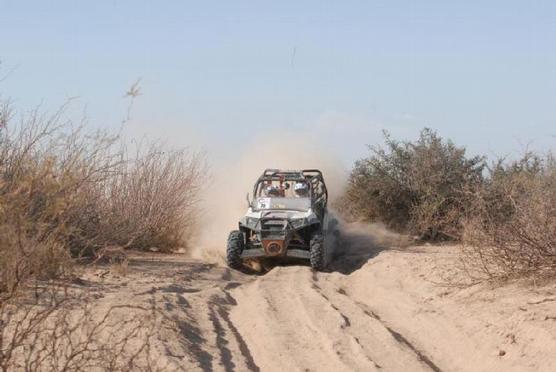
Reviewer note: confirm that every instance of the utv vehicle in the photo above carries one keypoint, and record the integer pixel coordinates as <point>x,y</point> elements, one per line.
<point>287,218</point>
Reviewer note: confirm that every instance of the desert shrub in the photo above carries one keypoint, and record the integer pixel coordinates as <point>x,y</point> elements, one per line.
<point>67,192</point>
<point>512,228</point>
<point>150,201</point>
<point>422,187</point>
<point>41,180</point>
<point>57,329</point>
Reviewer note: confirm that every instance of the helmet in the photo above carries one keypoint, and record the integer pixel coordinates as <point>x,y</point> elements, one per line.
<point>272,191</point>
<point>301,189</point>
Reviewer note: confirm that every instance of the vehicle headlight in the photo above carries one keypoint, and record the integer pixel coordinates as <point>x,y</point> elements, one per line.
<point>251,222</point>
<point>297,222</point>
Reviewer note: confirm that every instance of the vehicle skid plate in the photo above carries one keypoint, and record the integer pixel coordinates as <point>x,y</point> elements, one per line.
<point>259,252</point>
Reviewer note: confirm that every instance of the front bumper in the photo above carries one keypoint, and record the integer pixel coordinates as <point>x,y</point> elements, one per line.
<point>259,252</point>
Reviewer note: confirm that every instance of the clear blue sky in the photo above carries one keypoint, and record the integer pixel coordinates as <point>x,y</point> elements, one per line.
<point>219,74</point>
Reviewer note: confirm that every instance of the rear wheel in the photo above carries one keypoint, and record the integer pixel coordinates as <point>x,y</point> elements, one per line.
<point>317,252</point>
<point>234,249</point>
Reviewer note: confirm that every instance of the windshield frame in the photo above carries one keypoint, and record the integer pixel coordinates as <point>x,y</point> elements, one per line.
<point>255,205</point>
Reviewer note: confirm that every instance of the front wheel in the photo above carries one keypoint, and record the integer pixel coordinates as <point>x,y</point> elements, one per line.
<point>234,250</point>
<point>317,252</point>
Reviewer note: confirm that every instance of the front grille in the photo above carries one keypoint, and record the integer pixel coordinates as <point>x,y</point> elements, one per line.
<point>273,225</point>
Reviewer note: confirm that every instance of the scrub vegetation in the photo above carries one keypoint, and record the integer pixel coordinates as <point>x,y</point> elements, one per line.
<point>68,195</point>
<point>504,212</point>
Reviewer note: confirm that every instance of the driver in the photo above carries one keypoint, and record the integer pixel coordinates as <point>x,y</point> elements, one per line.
<point>272,191</point>
<point>301,190</point>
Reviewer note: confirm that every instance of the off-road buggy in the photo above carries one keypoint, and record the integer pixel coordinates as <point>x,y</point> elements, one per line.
<point>287,218</point>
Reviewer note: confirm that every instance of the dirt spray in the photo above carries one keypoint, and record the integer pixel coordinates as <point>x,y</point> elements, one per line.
<point>225,196</point>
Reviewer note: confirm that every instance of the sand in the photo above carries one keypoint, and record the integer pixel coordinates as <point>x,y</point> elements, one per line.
<point>384,306</point>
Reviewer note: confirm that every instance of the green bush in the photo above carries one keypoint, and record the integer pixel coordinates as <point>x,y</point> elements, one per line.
<point>422,187</point>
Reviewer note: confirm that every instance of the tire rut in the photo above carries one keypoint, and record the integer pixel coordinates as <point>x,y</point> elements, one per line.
<point>219,310</point>
<point>395,334</point>
<point>347,322</point>
<point>197,332</point>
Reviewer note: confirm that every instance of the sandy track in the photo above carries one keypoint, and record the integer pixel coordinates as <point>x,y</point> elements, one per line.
<point>378,310</point>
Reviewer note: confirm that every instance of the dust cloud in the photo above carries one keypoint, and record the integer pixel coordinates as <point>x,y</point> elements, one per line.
<point>225,196</point>
<point>361,241</point>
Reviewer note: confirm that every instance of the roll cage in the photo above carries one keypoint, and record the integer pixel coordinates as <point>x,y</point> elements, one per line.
<point>313,177</point>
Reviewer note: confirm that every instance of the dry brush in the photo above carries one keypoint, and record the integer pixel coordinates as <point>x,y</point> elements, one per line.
<point>67,193</point>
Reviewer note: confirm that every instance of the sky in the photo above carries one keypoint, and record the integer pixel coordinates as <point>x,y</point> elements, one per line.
<point>225,75</point>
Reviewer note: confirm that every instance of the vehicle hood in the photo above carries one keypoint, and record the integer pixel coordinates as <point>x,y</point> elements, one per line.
<point>282,213</point>
<point>308,215</point>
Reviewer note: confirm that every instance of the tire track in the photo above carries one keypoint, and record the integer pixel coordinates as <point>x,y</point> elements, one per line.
<point>395,334</point>
<point>221,342</point>
<point>219,311</point>
<point>347,322</point>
